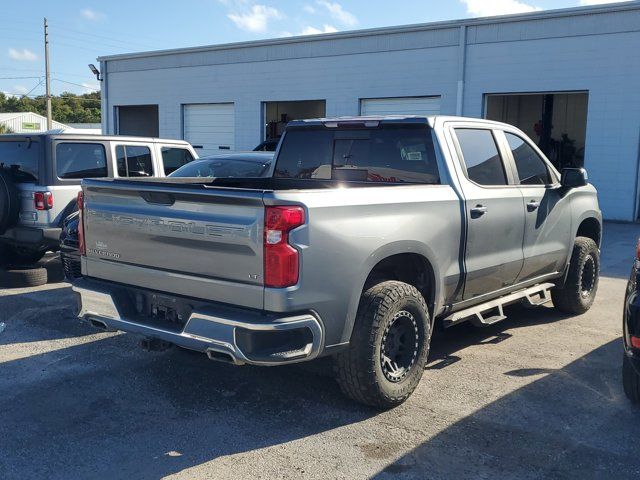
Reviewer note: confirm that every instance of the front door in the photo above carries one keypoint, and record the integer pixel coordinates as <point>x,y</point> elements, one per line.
<point>547,232</point>
<point>495,214</point>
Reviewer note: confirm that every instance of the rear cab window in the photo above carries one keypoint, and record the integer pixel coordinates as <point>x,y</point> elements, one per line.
<point>174,157</point>
<point>134,161</point>
<point>21,159</point>
<point>75,160</point>
<point>386,154</point>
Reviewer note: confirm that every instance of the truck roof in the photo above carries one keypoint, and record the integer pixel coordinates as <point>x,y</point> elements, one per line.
<point>93,137</point>
<point>385,119</point>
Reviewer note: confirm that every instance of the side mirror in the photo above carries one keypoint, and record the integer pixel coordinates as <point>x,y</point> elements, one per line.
<point>574,177</point>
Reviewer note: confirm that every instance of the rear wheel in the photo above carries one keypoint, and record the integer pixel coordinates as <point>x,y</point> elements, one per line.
<point>389,346</point>
<point>630,380</point>
<point>579,291</point>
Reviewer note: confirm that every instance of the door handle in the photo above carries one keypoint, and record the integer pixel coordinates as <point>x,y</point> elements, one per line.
<point>532,205</point>
<point>478,211</point>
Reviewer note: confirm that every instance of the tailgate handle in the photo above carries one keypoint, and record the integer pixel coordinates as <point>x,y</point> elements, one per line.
<point>158,198</point>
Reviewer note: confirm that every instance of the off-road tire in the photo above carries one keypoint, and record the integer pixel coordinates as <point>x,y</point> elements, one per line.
<point>359,369</point>
<point>630,380</point>
<point>572,297</point>
<point>20,277</point>
<point>9,202</point>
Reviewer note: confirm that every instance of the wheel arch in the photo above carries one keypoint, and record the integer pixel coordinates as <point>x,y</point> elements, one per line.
<point>590,227</point>
<point>411,262</point>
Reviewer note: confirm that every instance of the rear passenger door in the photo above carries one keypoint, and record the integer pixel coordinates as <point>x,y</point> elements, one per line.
<point>494,211</point>
<point>134,161</point>
<point>547,232</point>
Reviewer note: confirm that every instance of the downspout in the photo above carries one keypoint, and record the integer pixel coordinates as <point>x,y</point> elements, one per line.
<point>462,60</point>
<point>637,186</point>
<point>104,105</point>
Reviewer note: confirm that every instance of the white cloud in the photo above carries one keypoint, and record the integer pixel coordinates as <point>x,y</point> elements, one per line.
<point>90,87</point>
<point>92,14</point>
<point>338,13</point>
<point>24,55</point>
<point>315,31</point>
<point>599,2</point>
<point>255,19</point>
<point>20,89</point>
<point>310,9</point>
<point>484,8</point>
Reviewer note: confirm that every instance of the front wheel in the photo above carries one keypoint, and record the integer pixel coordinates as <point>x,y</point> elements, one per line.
<point>389,346</point>
<point>579,290</point>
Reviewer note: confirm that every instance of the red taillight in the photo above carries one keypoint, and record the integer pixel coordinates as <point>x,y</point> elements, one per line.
<point>281,263</point>
<point>635,342</point>
<point>638,250</point>
<point>81,246</point>
<point>43,200</point>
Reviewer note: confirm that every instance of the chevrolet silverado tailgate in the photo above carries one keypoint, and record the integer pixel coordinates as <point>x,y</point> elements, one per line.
<point>186,239</point>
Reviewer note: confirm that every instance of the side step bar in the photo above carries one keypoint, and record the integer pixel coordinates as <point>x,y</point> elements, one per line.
<point>492,311</point>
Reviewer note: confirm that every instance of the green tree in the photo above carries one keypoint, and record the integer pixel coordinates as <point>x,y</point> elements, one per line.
<point>65,108</point>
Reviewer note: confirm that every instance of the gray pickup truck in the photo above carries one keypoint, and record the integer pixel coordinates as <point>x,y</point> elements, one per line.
<point>367,231</point>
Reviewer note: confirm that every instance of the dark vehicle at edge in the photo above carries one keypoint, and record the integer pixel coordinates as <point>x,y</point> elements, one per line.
<point>631,334</point>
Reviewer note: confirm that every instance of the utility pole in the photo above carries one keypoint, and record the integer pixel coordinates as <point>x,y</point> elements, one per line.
<point>47,73</point>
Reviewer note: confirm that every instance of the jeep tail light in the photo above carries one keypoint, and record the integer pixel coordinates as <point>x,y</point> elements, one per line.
<point>638,250</point>
<point>81,245</point>
<point>43,200</point>
<point>281,260</point>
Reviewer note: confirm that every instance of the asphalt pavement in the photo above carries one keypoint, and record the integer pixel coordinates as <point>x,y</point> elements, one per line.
<point>536,396</point>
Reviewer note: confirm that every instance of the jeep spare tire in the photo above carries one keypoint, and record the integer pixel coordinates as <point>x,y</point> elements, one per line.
<point>9,202</point>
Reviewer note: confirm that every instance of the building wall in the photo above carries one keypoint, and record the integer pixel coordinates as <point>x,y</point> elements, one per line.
<point>593,50</point>
<point>16,123</point>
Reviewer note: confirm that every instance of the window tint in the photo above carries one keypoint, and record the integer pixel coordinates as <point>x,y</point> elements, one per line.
<point>133,161</point>
<point>481,157</point>
<point>81,160</point>
<point>531,168</point>
<point>173,158</point>
<point>222,168</point>
<point>20,158</point>
<point>389,154</point>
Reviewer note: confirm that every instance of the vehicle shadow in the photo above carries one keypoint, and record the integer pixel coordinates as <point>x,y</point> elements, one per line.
<point>574,422</point>
<point>108,410</point>
<point>40,315</point>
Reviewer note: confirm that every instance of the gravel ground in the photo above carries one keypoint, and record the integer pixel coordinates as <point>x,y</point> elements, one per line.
<point>536,396</point>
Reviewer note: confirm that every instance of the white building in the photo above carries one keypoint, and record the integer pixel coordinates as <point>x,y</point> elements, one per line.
<point>569,78</point>
<point>28,122</point>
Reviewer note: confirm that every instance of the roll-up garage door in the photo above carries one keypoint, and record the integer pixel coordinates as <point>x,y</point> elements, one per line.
<point>400,106</point>
<point>210,127</point>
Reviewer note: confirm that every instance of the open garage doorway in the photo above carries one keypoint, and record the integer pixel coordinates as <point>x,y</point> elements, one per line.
<point>278,114</point>
<point>557,122</point>
<point>138,120</point>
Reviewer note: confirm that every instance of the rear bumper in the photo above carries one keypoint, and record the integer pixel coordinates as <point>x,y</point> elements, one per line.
<point>223,333</point>
<point>38,238</point>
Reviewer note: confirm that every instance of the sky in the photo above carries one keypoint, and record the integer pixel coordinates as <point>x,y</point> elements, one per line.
<point>81,31</point>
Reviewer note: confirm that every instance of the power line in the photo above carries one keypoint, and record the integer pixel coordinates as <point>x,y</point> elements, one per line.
<point>77,84</point>
<point>16,78</point>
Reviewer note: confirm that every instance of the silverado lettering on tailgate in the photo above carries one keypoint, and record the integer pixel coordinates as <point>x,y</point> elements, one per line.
<point>169,226</point>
